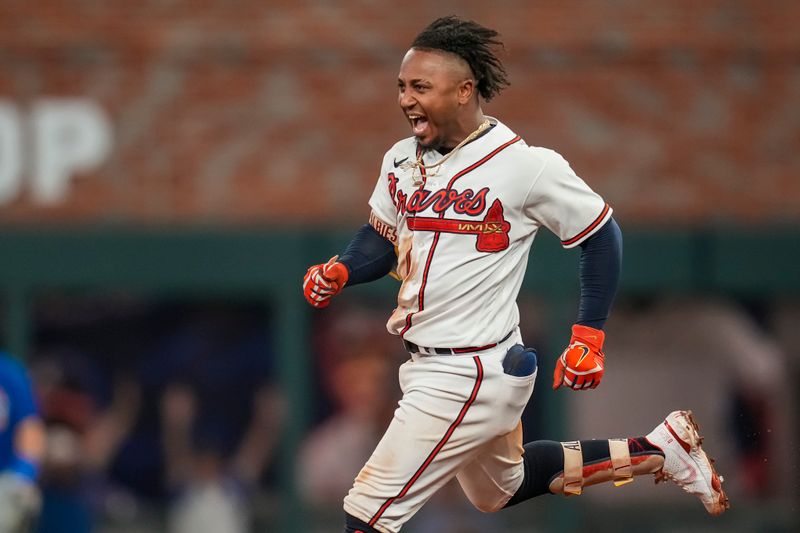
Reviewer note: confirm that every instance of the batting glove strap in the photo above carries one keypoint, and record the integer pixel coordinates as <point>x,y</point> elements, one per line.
<point>594,338</point>
<point>322,282</point>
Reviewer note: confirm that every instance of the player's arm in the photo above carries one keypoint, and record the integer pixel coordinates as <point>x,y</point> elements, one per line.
<point>582,364</point>
<point>369,256</point>
<point>569,208</point>
<point>371,253</point>
<point>600,265</point>
<point>18,489</point>
<point>29,434</point>
<point>29,444</point>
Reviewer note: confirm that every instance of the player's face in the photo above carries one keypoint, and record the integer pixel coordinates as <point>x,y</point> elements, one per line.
<point>431,95</point>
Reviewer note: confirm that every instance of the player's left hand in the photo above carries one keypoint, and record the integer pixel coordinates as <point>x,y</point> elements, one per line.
<point>323,282</point>
<point>582,364</point>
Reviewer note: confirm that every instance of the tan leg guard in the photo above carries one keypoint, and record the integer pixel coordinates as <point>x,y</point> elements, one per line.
<point>620,461</point>
<point>573,467</point>
<point>619,467</point>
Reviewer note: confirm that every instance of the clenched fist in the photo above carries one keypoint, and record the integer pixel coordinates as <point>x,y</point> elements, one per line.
<point>582,364</point>
<point>322,282</point>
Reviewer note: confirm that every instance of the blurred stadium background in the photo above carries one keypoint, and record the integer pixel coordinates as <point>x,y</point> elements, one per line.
<point>169,169</point>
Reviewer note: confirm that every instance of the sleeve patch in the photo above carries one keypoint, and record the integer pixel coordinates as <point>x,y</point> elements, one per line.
<point>384,230</point>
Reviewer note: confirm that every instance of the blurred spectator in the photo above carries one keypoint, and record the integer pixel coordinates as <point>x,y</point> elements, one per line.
<point>221,351</point>
<point>356,360</point>
<point>22,443</point>
<point>107,469</point>
<point>211,489</point>
<point>83,439</point>
<point>332,455</point>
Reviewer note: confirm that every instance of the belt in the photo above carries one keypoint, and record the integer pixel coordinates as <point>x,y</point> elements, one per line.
<point>414,348</point>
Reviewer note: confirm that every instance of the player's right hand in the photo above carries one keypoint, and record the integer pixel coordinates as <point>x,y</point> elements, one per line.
<point>582,365</point>
<point>323,282</point>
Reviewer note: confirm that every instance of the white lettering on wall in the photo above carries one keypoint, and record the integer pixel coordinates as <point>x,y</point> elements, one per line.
<point>68,136</point>
<point>10,152</point>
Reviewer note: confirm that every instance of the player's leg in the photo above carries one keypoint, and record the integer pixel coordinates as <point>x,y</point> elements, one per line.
<point>506,473</point>
<point>671,451</point>
<point>493,476</point>
<point>451,407</point>
<point>552,467</point>
<point>445,416</point>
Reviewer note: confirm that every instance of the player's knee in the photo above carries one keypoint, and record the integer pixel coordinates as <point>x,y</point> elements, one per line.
<point>488,507</point>
<point>486,503</point>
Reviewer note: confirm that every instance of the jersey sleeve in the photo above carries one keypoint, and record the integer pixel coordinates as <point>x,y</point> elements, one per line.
<point>382,200</point>
<point>563,202</point>
<point>15,381</point>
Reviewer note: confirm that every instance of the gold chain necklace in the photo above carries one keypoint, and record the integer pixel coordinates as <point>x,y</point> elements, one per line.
<point>433,169</point>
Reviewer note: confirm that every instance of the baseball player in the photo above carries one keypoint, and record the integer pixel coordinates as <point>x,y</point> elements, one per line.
<point>454,213</point>
<point>21,448</point>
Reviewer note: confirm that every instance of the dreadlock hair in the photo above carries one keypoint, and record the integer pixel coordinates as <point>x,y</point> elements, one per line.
<point>471,42</point>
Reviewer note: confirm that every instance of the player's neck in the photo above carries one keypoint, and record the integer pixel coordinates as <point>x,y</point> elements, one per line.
<point>466,128</point>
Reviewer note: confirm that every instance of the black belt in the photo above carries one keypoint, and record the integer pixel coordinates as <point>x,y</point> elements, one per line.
<point>414,348</point>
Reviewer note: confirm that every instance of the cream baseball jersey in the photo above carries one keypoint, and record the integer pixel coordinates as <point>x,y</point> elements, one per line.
<point>463,232</point>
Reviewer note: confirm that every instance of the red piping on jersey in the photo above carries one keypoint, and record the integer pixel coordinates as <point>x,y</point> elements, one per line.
<point>439,446</point>
<point>593,225</point>
<point>482,161</point>
<point>421,297</point>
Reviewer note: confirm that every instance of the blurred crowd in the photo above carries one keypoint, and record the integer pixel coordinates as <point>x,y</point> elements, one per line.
<point>158,416</point>
<point>169,417</point>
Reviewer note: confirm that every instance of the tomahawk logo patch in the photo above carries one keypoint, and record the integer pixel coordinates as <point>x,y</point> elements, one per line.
<point>492,231</point>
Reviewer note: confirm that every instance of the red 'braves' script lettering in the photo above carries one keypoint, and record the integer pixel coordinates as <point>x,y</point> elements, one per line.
<point>466,202</point>
<point>392,185</point>
<point>385,230</point>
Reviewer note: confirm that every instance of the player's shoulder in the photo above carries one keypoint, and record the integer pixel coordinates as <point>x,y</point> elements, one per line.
<point>534,156</point>
<point>543,157</point>
<point>11,368</point>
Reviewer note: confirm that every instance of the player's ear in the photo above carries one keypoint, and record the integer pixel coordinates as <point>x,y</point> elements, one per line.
<point>466,90</point>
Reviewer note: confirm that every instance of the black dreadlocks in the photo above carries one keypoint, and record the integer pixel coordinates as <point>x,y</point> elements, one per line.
<point>471,42</point>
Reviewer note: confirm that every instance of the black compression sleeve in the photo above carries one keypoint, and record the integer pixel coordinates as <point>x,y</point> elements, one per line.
<point>368,257</point>
<point>601,260</point>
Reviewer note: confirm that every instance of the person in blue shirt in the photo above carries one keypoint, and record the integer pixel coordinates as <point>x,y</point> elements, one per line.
<point>22,446</point>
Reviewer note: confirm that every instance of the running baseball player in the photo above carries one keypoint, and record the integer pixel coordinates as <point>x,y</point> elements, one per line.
<point>454,213</point>
<point>21,448</point>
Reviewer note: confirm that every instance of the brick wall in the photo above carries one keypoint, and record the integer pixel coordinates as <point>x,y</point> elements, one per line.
<point>279,111</point>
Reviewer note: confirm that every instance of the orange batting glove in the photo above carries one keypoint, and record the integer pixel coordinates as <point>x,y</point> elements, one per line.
<point>582,364</point>
<point>323,282</point>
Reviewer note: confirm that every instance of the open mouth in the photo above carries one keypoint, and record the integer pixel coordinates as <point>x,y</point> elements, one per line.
<point>419,125</point>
